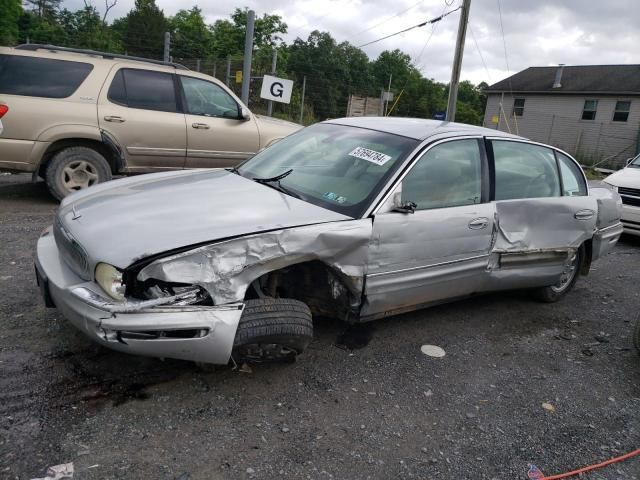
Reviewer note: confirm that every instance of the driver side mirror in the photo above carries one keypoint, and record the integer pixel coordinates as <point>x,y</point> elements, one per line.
<point>401,206</point>
<point>628,161</point>
<point>245,114</point>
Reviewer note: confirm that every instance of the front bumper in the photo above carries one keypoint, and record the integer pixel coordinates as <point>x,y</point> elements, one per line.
<point>197,333</point>
<point>631,219</point>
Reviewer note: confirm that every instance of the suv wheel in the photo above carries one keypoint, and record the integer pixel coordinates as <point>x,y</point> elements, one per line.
<point>75,168</point>
<point>272,330</point>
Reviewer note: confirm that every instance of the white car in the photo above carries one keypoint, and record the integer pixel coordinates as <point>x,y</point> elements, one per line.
<point>627,184</point>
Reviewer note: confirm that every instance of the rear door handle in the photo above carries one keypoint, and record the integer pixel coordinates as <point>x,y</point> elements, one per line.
<point>203,126</point>
<point>478,223</point>
<point>114,118</point>
<point>583,214</point>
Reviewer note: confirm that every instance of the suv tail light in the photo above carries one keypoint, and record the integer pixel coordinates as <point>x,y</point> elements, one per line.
<point>3,109</point>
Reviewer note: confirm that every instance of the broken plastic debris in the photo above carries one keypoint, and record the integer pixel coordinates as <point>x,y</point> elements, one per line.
<point>432,351</point>
<point>245,368</point>
<point>548,407</point>
<point>534,473</point>
<point>63,471</point>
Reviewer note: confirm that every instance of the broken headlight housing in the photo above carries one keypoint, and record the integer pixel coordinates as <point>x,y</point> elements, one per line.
<point>110,280</point>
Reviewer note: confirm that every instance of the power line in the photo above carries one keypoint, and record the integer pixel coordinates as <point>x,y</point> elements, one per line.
<point>389,18</point>
<point>504,42</point>
<point>433,20</point>
<point>480,53</point>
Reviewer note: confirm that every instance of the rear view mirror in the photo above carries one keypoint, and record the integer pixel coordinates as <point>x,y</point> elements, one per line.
<point>401,206</point>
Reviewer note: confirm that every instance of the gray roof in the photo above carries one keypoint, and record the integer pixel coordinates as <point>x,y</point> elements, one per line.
<point>602,79</point>
<point>417,128</point>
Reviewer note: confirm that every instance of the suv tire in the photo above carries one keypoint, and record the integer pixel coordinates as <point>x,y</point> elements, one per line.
<point>553,293</point>
<point>75,168</point>
<point>272,330</point>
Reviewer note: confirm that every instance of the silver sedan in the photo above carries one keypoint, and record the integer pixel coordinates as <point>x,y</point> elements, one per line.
<point>357,219</point>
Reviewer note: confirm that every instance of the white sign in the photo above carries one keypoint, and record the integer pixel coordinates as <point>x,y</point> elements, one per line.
<point>370,155</point>
<point>276,89</point>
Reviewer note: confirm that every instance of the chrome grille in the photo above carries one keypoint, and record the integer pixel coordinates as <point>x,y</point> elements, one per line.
<point>634,192</point>
<point>72,252</point>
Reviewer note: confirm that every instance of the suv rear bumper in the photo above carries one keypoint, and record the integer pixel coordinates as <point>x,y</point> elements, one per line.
<point>197,333</point>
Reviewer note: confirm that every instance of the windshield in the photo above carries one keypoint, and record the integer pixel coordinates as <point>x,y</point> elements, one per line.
<point>337,167</point>
<point>635,163</point>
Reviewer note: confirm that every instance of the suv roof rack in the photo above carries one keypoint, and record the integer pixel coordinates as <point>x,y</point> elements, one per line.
<point>39,46</point>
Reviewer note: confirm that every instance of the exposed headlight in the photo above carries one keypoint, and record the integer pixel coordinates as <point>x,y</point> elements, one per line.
<point>110,279</point>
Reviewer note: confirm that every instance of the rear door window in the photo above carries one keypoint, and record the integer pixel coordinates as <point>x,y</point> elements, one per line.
<point>523,170</point>
<point>41,77</point>
<point>144,89</point>
<point>573,183</point>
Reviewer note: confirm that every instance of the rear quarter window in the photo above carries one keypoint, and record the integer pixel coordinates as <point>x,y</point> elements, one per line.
<point>41,77</point>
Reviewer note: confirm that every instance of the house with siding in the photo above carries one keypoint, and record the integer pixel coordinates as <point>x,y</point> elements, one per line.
<point>590,111</point>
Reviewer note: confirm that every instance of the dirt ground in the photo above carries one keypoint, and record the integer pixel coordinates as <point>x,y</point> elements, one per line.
<point>380,409</point>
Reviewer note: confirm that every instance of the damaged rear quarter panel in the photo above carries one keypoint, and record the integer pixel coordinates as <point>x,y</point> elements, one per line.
<point>226,269</point>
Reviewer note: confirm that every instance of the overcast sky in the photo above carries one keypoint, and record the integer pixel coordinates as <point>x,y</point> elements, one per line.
<point>536,32</point>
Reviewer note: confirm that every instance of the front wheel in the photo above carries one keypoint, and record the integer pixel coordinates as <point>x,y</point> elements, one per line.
<point>272,330</point>
<point>565,283</point>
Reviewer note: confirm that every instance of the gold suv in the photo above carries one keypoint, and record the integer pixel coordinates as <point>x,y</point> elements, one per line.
<point>76,117</point>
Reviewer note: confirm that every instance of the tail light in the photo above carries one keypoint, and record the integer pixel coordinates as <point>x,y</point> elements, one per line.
<point>3,109</point>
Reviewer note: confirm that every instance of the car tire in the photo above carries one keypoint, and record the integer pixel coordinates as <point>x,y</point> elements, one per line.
<point>553,293</point>
<point>75,168</point>
<point>636,336</point>
<point>272,330</point>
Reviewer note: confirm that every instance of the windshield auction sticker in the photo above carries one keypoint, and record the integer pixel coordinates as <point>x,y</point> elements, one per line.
<point>370,155</point>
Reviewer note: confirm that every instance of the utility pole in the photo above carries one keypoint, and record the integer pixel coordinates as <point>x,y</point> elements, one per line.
<point>274,61</point>
<point>457,61</point>
<point>248,52</point>
<point>167,46</point>
<point>228,74</point>
<point>304,87</point>
<point>386,100</point>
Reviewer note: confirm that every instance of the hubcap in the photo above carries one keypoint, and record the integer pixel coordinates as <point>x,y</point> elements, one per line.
<point>79,174</point>
<point>570,271</point>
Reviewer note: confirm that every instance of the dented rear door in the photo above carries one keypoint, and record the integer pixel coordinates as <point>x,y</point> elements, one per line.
<point>541,218</point>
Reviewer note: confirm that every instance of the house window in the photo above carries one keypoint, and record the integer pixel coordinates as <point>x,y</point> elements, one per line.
<point>621,113</point>
<point>589,110</point>
<point>518,107</point>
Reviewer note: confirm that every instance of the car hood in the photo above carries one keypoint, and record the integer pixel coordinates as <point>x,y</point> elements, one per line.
<point>123,221</point>
<point>627,177</point>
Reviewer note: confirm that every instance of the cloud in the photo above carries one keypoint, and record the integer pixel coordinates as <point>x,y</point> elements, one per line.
<point>541,32</point>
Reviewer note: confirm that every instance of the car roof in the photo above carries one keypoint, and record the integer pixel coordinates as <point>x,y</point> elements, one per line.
<point>418,128</point>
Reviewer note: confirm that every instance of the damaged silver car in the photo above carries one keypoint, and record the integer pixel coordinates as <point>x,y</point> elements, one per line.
<point>356,219</point>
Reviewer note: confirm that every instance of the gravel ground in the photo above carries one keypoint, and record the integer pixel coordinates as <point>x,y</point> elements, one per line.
<point>384,410</point>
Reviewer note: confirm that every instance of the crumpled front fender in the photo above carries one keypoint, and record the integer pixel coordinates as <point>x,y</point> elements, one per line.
<point>226,269</point>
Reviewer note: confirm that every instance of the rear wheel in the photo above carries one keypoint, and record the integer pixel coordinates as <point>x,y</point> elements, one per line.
<point>565,283</point>
<point>75,168</point>
<point>272,330</point>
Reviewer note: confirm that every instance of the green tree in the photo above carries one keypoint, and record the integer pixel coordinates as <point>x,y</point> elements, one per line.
<point>85,29</point>
<point>142,30</point>
<point>190,35</point>
<point>11,12</point>
<point>44,8</point>
<point>229,35</point>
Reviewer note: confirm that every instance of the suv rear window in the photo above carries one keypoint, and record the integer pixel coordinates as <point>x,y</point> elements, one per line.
<point>144,89</point>
<point>41,77</point>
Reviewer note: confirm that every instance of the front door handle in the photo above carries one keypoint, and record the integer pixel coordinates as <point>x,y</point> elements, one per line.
<point>583,214</point>
<point>114,118</point>
<point>479,223</point>
<point>203,126</point>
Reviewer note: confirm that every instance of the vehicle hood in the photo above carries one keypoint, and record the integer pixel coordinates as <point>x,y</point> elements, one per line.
<point>264,120</point>
<point>627,177</point>
<point>123,221</point>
